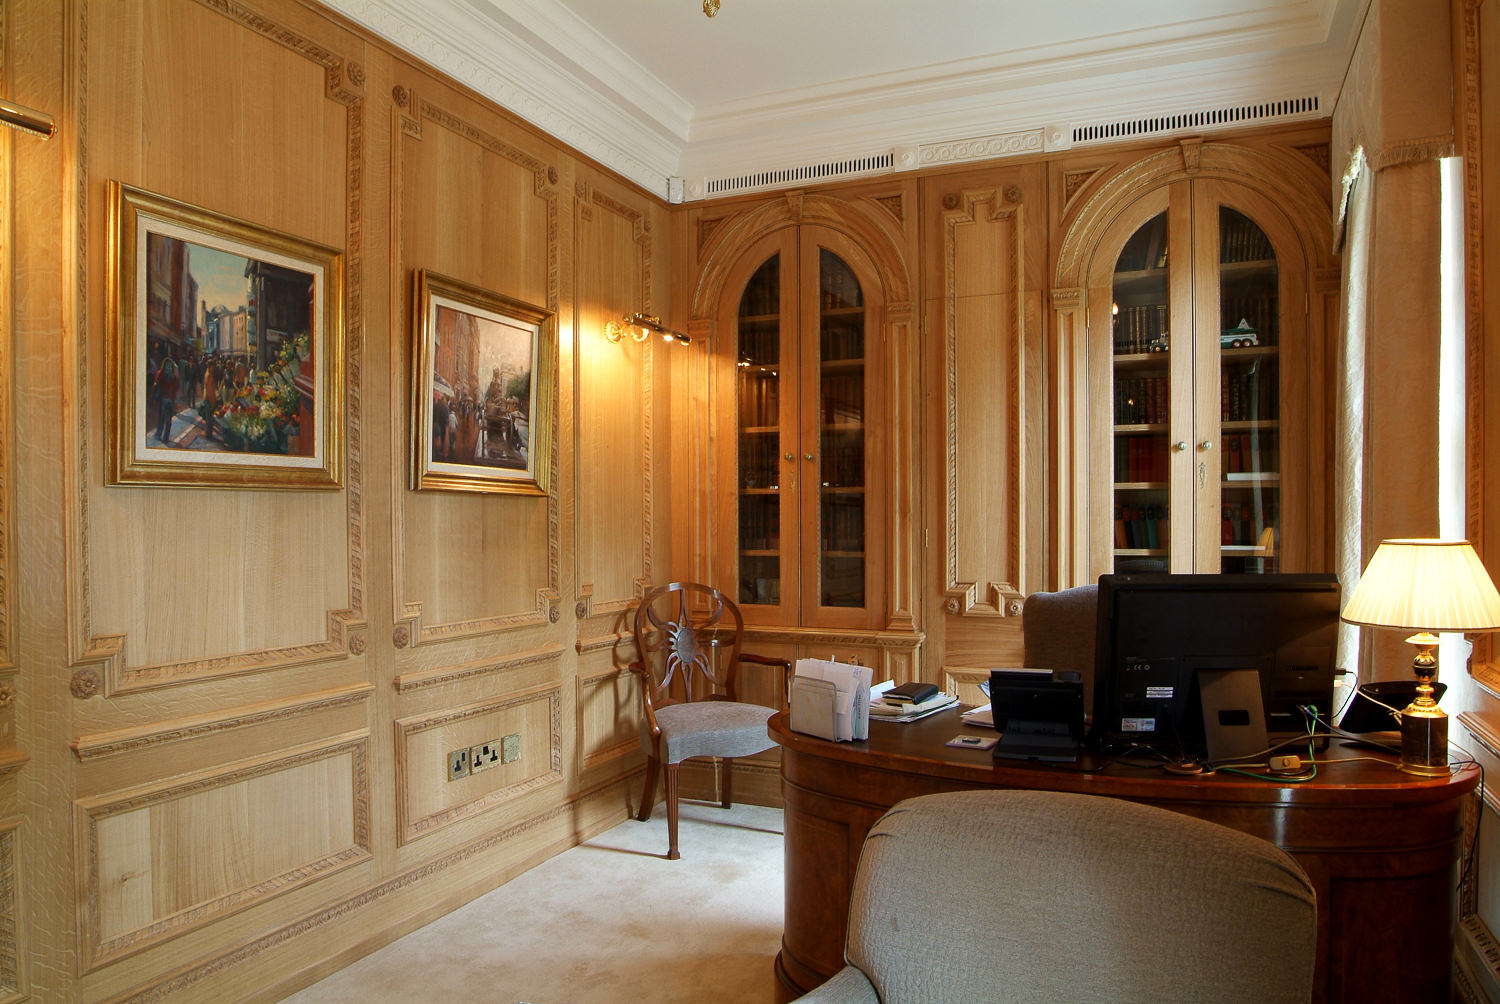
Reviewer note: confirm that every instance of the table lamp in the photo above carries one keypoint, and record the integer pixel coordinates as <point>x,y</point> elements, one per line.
<point>1425,586</point>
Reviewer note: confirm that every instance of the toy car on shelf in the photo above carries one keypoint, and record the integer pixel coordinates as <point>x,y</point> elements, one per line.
<point>1240,337</point>
<point>1157,344</point>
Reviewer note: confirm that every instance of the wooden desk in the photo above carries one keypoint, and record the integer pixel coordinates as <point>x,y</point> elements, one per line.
<point>1380,846</point>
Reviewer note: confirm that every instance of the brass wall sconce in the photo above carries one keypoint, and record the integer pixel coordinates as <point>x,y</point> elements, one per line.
<point>26,119</point>
<point>639,327</point>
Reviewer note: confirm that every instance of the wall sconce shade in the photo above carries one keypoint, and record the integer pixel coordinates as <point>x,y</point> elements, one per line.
<point>1425,586</point>
<point>639,327</point>
<point>26,119</point>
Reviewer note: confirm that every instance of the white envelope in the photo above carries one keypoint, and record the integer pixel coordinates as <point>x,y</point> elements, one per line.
<point>852,684</point>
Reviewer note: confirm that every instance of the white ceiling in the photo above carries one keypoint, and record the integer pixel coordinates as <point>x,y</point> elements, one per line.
<point>656,90</point>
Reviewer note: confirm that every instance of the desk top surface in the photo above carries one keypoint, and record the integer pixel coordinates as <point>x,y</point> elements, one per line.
<point>1347,773</point>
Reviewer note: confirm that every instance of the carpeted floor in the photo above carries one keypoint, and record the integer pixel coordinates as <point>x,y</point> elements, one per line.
<point>609,920</point>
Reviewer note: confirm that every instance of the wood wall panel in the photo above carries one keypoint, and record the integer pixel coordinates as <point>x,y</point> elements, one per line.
<point>150,601</point>
<point>985,421</point>
<point>609,714</point>
<point>12,979</point>
<point>426,800</point>
<point>615,447</point>
<point>167,857</point>
<point>473,206</point>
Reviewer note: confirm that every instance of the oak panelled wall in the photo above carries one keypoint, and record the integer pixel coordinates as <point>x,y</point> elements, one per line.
<point>226,715</point>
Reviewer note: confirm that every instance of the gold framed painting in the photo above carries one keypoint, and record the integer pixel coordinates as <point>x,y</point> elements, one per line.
<point>225,351</point>
<point>484,373</point>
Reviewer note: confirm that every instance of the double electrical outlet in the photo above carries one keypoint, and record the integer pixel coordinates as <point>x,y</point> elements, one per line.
<point>473,759</point>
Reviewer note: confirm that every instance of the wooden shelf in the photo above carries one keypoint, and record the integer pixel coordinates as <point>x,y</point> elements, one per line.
<point>843,554</point>
<point>852,365</point>
<point>1250,425</point>
<point>761,491</point>
<point>759,553</point>
<point>1141,552</point>
<point>1157,427</point>
<point>841,312</point>
<point>1140,486</point>
<point>758,430</point>
<point>1250,479</point>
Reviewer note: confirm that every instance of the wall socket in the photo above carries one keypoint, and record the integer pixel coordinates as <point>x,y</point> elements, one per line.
<point>484,756</point>
<point>458,764</point>
<point>510,748</point>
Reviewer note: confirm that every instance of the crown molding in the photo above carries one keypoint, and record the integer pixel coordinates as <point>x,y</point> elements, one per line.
<point>544,64</point>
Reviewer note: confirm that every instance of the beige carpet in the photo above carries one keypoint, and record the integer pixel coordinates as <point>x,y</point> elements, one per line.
<point>609,920</point>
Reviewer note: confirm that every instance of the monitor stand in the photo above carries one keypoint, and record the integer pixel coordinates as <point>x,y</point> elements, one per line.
<point>1234,714</point>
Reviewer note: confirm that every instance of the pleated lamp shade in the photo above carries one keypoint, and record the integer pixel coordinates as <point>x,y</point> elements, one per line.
<point>1425,585</point>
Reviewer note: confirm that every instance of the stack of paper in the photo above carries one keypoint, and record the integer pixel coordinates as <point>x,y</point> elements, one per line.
<point>852,703</point>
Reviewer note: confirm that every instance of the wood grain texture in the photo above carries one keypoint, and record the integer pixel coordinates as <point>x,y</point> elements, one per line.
<point>128,591</point>
<point>427,801</point>
<point>472,564</point>
<point>170,856</point>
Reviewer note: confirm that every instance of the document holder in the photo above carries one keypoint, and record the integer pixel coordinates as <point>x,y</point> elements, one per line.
<point>815,707</point>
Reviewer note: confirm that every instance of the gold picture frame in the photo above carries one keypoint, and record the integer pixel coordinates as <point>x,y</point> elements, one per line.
<point>484,374</point>
<point>225,355</point>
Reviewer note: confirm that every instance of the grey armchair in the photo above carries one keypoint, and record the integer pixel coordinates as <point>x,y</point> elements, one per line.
<point>1057,632</point>
<point>1051,896</point>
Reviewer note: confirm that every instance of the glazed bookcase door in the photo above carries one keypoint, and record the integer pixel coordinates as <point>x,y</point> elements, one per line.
<point>841,518</point>
<point>1205,371</point>
<point>806,531</point>
<point>762,322</point>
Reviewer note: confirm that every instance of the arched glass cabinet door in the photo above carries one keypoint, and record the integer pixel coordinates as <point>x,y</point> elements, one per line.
<point>805,534</point>
<point>1249,322</point>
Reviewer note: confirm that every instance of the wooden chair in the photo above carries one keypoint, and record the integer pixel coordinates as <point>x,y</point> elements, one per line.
<point>687,639</point>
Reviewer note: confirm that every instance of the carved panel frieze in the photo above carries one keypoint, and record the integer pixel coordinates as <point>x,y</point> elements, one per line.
<point>414,115</point>
<point>118,922</point>
<point>99,660</point>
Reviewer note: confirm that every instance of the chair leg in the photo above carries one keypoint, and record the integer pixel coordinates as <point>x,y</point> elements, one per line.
<point>726,782</point>
<point>672,853</point>
<point>648,797</point>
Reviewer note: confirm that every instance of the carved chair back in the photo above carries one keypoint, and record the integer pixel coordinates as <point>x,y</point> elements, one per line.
<point>687,637</point>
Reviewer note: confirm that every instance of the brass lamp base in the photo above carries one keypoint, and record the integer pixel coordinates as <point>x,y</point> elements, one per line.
<point>1424,725</point>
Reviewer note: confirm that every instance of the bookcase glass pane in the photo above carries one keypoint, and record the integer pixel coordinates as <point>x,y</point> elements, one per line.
<point>758,411</point>
<point>841,434</point>
<point>1142,345</point>
<point>1249,396</point>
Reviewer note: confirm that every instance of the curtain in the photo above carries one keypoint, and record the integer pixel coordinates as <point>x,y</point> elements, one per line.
<point>1349,432</point>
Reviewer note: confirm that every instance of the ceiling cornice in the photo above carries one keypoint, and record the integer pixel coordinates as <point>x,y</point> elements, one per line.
<point>540,61</point>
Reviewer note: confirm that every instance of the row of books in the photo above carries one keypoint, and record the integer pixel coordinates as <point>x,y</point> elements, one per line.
<point>1142,526</point>
<point>760,526</point>
<point>762,294</point>
<point>1242,240</point>
<point>1140,400</point>
<point>844,523</point>
<point>760,461</point>
<point>837,286</point>
<point>1141,329</point>
<point>760,399</point>
<point>1141,458</point>
<point>1246,453</point>
<point>843,464</point>
<point>1248,394</point>
<point>1257,311</point>
<point>1239,525</point>
<point>842,338</point>
<point>843,398</point>
<point>760,344</point>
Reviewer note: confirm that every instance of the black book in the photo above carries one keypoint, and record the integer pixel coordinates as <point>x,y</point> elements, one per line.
<point>910,693</point>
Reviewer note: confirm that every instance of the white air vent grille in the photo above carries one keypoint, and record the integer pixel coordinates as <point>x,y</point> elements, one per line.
<point>793,175</point>
<point>1194,120</point>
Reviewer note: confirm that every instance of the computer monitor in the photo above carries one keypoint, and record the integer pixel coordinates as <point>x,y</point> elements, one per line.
<point>1158,634</point>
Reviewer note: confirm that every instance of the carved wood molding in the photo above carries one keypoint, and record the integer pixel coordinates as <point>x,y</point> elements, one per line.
<point>588,604</point>
<point>1482,664</point>
<point>12,760</point>
<point>98,951</point>
<point>180,980</point>
<point>417,679</point>
<point>7,422</point>
<point>896,641</point>
<point>94,745</point>
<point>1001,595</point>
<point>99,659</point>
<point>411,114</point>
<point>868,224</point>
<point>10,919</point>
<point>409,828</point>
<point>1280,173</point>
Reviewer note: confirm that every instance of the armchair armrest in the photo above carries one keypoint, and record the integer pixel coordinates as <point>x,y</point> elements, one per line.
<point>761,660</point>
<point>848,986</point>
<point>640,670</point>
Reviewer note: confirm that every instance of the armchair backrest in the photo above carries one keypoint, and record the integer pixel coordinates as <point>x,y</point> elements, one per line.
<point>1058,631</point>
<point>1053,896</point>
<point>678,627</point>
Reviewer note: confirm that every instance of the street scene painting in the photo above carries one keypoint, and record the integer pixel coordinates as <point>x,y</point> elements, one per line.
<point>484,375</point>
<point>225,336</point>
